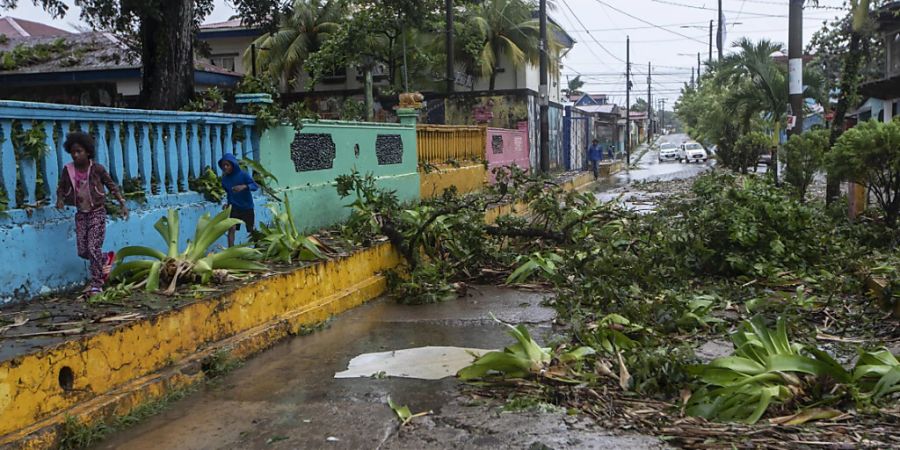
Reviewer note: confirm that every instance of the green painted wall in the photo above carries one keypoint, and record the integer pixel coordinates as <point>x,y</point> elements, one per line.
<point>312,193</point>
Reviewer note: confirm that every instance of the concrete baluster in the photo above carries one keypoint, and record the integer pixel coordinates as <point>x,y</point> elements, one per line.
<point>50,167</point>
<point>145,156</point>
<point>183,162</point>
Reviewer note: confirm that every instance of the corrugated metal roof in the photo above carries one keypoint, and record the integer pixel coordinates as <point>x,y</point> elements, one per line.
<point>87,52</point>
<point>598,109</point>
<point>16,28</point>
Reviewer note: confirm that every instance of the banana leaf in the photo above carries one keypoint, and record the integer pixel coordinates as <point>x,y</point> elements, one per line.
<point>501,362</point>
<point>125,252</point>
<point>153,276</point>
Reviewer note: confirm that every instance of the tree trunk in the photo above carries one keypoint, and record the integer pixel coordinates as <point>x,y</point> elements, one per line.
<point>370,100</point>
<point>167,56</point>
<point>850,76</point>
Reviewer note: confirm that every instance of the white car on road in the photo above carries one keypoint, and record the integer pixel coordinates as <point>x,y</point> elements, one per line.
<point>668,152</point>
<point>692,151</point>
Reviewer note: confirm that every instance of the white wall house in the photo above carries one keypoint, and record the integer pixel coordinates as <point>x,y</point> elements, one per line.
<point>228,41</point>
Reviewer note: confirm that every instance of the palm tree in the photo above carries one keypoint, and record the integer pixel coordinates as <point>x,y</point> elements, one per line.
<point>506,28</point>
<point>301,31</point>
<point>761,83</point>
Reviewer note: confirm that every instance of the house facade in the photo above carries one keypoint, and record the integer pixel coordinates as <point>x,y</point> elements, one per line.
<point>228,43</point>
<point>887,89</point>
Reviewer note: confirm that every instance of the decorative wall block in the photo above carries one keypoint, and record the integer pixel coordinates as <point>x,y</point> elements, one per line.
<point>389,149</point>
<point>497,144</point>
<point>311,151</point>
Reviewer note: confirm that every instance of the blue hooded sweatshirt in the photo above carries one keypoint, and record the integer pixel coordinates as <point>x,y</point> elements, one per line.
<point>238,200</point>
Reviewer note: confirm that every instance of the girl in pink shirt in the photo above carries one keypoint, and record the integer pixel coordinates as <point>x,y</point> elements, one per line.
<point>83,184</point>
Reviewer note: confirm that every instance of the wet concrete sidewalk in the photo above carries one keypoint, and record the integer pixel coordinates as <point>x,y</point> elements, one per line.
<point>287,398</point>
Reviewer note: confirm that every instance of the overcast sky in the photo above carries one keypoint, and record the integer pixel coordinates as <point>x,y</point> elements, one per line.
<point>667,33</point>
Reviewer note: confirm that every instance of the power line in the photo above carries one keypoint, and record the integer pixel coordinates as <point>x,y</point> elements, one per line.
<point>589,34</point>
<point>648,23</point>
<point>755,14</point>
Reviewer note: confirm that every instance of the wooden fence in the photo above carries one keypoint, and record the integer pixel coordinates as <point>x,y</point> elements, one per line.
<point>441,143</point>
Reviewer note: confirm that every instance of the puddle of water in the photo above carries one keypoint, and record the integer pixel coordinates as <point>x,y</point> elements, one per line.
<point>425,363</point>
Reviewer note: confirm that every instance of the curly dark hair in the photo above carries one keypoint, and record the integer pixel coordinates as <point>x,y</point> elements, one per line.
<point>86,141</point>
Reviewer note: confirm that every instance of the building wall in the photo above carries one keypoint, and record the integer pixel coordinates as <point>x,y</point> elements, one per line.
<point>235,46</point>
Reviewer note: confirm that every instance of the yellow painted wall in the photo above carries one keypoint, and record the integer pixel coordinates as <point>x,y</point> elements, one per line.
<point>470,178</point>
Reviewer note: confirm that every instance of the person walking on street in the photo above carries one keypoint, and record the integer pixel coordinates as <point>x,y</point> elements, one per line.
<point>595,154</point>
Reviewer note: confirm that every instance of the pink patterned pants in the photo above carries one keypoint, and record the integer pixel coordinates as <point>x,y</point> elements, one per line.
<point>90,230</point>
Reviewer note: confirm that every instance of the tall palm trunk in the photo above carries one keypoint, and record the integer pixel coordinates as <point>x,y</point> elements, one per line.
<point>370,100</point>
<point>850,77</point>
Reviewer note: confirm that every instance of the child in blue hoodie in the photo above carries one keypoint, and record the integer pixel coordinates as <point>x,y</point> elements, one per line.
<point>238,186</point>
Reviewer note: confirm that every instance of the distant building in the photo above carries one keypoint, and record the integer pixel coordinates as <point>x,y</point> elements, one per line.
<point>887,89</point>
<point>12,28</point>
<point>84,69</point>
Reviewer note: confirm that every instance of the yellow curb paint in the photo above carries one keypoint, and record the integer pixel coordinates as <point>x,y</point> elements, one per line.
<point>30,391</point>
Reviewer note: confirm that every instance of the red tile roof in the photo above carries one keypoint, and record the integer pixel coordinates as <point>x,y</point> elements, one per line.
<point>14,28</point>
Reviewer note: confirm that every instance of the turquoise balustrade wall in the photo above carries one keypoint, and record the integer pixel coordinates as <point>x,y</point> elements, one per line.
<point>157,152</point>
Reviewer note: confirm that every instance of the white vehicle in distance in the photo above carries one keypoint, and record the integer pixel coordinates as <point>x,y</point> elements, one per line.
<point>692,151</point>
<point>668,152</point>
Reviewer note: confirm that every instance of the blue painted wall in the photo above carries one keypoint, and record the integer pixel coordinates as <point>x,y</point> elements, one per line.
<point>38,241</point>
<point>39,254</point>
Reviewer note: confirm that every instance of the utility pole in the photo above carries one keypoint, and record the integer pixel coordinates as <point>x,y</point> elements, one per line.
<point>719,42</point>
<point>710,41</point>
<point>649,106</point>
<point>662,113</point>
<point>451,79</point>
<point>692,77</point>
<point>698,68</point>
<point>627,100</point>
<point>543,91</point>
<point>795,72</point>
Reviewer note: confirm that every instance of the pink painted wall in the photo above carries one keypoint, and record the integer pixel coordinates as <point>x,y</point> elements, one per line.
<point>505,147</point>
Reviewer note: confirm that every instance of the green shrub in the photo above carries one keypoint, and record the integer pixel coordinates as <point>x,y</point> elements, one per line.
<point>804,155</point>
<point>869,154</point>
<point>739,225</point>
<point>747,150</point>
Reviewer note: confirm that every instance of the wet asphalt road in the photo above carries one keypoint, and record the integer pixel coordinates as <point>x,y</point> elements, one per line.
<point>287,398</point>
<point>651,169</point>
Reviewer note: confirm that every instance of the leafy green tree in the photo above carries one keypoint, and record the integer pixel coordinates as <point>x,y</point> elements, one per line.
<point>761,84</point>
<point>854,51</point>
<point>869,154</point>
<point>164,31</point>
<point>804,156</point>
<point>640,105</point>
<point>574,86</point>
